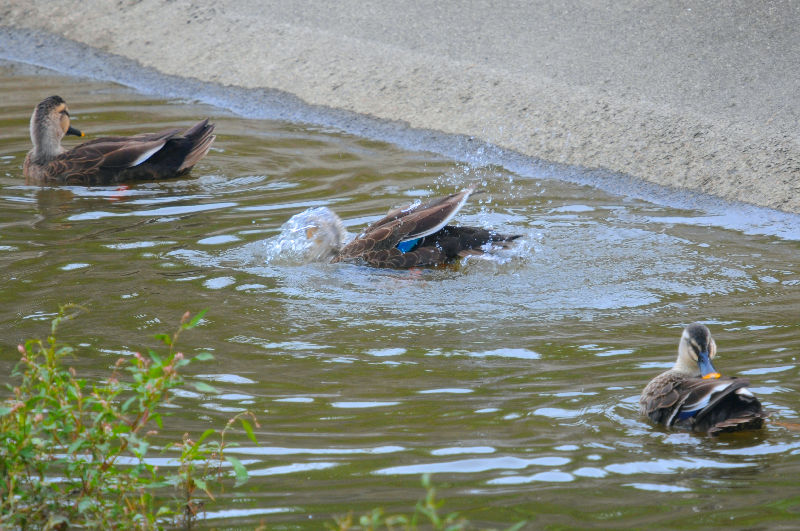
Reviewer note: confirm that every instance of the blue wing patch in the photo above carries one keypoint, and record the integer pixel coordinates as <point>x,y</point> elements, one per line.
<point>408,245</point>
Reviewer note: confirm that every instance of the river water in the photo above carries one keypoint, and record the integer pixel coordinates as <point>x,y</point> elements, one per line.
<point>513,380</point>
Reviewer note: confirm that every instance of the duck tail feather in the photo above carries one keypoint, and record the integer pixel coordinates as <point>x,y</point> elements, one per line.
<point>201,136</point>
<point>750,421</point>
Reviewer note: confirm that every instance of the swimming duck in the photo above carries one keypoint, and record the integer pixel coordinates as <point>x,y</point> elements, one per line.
<point>417,235</point>
<point>693,395</point>
<point>108,160</point>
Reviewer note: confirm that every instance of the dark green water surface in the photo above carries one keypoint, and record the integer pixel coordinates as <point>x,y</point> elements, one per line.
<point>514,381</point>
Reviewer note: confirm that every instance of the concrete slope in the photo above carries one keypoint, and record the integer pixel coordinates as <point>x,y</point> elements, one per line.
<point>704,97</point>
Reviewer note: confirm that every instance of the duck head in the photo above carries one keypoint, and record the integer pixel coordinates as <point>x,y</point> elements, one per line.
<point>49,123</point>
<point>316,234</point>
<point>695,352</point>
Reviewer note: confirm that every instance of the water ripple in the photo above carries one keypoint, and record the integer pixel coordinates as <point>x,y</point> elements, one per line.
<point>465,466</point>
<point>669,466</point>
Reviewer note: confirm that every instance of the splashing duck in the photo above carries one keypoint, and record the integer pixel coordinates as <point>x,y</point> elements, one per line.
<point>415,236</point>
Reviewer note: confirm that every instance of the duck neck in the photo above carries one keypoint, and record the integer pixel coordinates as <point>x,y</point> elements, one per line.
<point>46,146</point>
<point>684,364</point>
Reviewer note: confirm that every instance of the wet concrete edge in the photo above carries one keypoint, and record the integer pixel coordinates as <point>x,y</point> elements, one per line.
<point>65,56</point>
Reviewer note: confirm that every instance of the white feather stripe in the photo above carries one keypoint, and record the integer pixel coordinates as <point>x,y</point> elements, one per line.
<point>706,398</point>
<point>439,226</point>
<point>146,155</point>
<point>744,392</point>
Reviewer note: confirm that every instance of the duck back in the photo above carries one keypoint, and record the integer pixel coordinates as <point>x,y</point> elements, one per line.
<point>709,406</point>
<point>111,160</point>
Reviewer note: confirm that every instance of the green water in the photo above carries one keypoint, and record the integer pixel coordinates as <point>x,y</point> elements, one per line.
<point>514,381</point>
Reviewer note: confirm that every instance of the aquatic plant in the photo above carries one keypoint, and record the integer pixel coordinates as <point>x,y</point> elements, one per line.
<point>75,453</point>
<point>426,515</point>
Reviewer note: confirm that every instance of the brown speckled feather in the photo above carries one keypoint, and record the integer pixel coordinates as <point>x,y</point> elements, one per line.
<point>110,160</point>
<point>680,398</point>
<point>439,243</point>
<point>419,219</point>
<point>724,406</point>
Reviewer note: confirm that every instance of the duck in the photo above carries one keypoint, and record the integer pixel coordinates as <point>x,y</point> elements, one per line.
<point>108,160</point>
<point>693,396</point>
<point>418,235</point>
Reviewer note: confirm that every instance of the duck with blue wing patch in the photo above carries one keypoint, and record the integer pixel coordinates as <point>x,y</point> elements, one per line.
<point>108,160</point>
<point>419,235</point>
<point>692,395</point>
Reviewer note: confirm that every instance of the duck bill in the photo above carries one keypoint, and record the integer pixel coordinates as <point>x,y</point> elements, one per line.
<point>707,370</point>
<point>73,131</point>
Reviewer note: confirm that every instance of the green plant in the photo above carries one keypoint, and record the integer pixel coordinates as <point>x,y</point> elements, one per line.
<point>426,515</point>
<point>66,445</point>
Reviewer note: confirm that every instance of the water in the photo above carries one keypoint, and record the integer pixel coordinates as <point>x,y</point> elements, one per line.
<point>513,380</point>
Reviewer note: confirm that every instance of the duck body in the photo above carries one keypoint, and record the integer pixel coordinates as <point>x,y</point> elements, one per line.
<point>108,160</point>
<point>705,406</point>
<point>419,235</point>
<point>693,396</point>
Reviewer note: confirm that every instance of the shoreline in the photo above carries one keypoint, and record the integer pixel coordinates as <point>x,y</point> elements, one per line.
<point>418,83</point>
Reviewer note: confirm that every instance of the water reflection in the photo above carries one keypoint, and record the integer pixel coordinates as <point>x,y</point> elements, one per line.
<point>466,466</point>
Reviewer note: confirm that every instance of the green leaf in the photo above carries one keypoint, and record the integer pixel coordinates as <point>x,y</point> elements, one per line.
<point>140,449</point>
<point>155,357</point>
<point>164,338</point>
<point>5,411</point>
<point>75,445</point>
<point>202,484</point>
<point>426,480</point>
<point>249,429</point>
<point>54,521</point>
<point>121,428</point>
<point>206,435</point>
<point>72,393</point>
<point>204,356</point>
<point>29,344</point>
<point>63,351</point>
<point>203,387</point>
<point>127,404</point>
<point>239,469</point>
<point>195,320</point>
<point>84,504</point>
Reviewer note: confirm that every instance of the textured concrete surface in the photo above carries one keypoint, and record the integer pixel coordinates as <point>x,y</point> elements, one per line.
<point>704,97</point>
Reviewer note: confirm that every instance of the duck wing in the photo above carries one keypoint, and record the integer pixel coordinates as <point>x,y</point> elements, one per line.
<point>377,243</point>
<point>732,410</point>
<point>378,247</point>
<point>99,161</point>
<point>662,397</point>
<point>464,241</point>
<point>417,221</point>
<point>702,405</point>
<point>394,258</point>
<point>144,156</point>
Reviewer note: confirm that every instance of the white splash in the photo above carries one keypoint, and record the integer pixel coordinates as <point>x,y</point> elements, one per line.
<point>313,235</point>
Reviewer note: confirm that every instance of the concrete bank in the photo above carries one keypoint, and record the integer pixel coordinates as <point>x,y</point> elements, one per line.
<point>699,97</point>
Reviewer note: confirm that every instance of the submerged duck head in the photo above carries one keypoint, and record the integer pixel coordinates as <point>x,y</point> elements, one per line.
<point>695,352</point>
<point>415,236</point>
<point>317,233</point>
<point>49,123</point>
